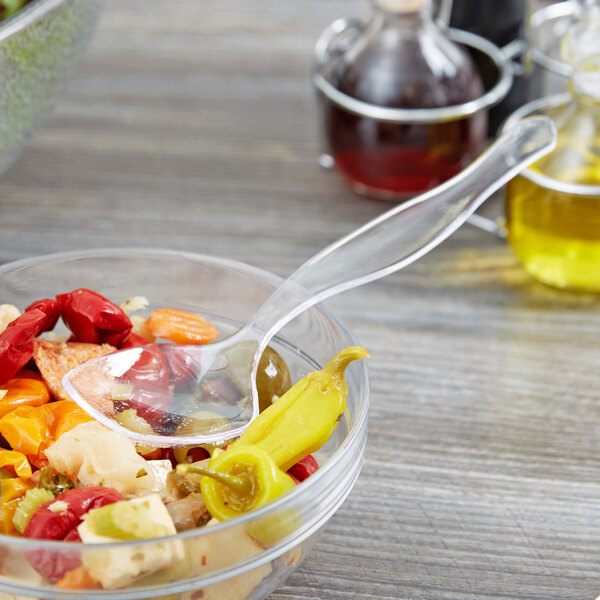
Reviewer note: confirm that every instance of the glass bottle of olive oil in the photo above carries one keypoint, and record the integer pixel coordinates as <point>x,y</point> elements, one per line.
<point>553,208</point>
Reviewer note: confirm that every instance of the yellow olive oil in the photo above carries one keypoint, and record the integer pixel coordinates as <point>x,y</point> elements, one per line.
<point>553,208</point>
<point>555,235</point>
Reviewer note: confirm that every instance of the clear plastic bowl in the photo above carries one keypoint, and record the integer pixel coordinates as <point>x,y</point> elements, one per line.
<point>220,562</point>
<point>39,47</point>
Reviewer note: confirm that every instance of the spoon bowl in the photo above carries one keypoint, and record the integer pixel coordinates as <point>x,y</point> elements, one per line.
<point>184,408</point>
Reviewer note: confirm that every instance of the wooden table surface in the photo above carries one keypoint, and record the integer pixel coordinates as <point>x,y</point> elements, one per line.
<point>191,125</point>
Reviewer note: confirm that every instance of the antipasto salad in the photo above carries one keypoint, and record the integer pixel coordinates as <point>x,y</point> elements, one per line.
<point>64,476</point>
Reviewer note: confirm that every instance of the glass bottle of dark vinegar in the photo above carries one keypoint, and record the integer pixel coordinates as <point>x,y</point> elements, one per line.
<point>401,59</point>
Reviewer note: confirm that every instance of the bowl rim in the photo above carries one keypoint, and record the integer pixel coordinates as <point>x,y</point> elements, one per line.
<point>26,16</point>
<point>356,431</point>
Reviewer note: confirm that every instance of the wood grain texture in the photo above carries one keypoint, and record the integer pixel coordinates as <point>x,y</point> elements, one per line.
<point>191,125</point>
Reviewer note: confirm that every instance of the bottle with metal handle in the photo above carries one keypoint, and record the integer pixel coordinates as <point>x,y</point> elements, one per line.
<point>401,104</point>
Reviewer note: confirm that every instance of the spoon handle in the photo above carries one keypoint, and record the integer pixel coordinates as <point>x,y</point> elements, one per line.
<point>407,232</point>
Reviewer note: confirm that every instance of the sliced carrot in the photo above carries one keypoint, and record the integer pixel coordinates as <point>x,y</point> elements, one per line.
<point>78,579</point>
<point>180,326</point>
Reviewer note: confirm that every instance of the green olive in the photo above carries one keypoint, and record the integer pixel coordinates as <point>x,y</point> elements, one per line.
<point>272,379</point>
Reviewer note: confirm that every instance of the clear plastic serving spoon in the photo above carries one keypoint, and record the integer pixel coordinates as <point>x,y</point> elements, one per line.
<point>189,393</point>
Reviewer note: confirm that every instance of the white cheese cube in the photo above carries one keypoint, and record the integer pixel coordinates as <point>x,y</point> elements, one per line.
<point>118,567</point>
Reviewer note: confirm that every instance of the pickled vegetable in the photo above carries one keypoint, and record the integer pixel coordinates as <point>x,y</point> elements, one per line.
<point>180,326</point>
<point>272,378</point>
<point>270,529</point>
<point>23,390</point>
<point>238,480</point>
<point>136,519</point>
<point>32,500</point>
<point>57,483</point>
<point>303,420</point>
<point>12,491</point>
<point>82,471</point>
<point>10,7</point>
<point>131,420</point>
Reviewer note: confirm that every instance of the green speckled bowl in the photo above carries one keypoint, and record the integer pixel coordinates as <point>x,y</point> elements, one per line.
<point>39,47</point>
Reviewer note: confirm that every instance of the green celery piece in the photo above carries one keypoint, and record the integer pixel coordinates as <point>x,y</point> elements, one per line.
<point>125,520</point>
<point>11,7</point>
<point>32,500</point>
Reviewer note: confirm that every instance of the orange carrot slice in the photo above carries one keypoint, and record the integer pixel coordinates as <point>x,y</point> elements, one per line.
<point>180,326</point>
<point>78,579</point>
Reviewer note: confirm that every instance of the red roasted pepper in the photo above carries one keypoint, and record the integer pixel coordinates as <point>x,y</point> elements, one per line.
<point>16,341</point>
<point>148,376</point>
<point>51,308</point>
<point>49,524</point>
<point>133,341</point>
<point>93,318</point>
<point>168,454</point>
<point>183,366</point>
<point>304,468</point>
<point>197,453</point>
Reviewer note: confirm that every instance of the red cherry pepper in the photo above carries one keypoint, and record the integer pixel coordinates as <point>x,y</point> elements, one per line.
<point>168,454</point>
<point>197,453</point>
<point>93,318</point>
<point>150,378</point>
<point>304,468</point>
<point>183,366</point>
<point>47,524</point>
<point>133,341</point>
<point>51,308</point>
<point>16,341</point>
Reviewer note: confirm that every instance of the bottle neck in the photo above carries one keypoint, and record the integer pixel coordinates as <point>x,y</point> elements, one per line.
<point>403,11</point>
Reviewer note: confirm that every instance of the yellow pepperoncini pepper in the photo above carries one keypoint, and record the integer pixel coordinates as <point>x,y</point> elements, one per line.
<point>65,415</point>
<point>239,480</point>
<point>30,429</point>
<point>11,492</point>
<point>304,418</point>
<point>25,428</point>
<point>25,389</point>
<point>17,460</point>
<point>251,471</point>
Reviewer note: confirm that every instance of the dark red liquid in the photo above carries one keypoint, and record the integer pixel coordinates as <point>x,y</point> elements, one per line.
<point>399,160</point>
<point>395,170</point>
<point>396,161</point>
